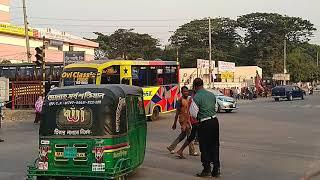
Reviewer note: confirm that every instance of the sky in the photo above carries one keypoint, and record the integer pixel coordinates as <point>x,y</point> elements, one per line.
<point>160,18</point>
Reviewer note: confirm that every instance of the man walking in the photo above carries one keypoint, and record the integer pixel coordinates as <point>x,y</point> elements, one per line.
<point>203,108</point>
<point>183,115</point>
<point>1,119</point>
<point>192,136</point>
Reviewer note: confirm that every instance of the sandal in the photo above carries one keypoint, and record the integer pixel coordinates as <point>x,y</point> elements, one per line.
<point>180,156</point>
<point>194,154</point>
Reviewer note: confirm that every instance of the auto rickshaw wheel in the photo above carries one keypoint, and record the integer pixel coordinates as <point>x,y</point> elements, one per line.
<point>124,177</point>
<point>155,114</point>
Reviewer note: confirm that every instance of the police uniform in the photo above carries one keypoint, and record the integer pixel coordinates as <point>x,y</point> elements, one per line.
<point>208,130</point>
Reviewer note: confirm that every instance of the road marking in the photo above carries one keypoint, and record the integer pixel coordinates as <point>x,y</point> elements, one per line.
<point>317,106</point>
<point>307,106</point>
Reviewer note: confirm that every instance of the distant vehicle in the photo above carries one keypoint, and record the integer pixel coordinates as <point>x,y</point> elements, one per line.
<point>225,103</point>
<point>287,92</point>
<point>317,88</point>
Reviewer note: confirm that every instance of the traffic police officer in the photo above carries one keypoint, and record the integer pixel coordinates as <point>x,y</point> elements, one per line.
<point>203,108</point>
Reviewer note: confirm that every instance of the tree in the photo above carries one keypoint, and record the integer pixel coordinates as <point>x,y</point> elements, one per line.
<point>193,41</point>
<point>126,44</point>
<point>264,38</point>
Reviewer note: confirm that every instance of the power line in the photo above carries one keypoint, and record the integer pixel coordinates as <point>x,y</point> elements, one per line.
<point>86,25</point>
<point>103,20</point>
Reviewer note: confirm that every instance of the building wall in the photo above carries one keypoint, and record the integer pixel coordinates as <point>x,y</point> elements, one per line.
<point>242,75</point>
<point>13,47</point>
<point>4,11</point>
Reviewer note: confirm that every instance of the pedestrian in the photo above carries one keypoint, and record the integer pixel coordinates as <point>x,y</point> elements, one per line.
<point>1,118</point>
<point>38,109</point>
<point>203,108</point>
<point>183,115</point>
<point>238,93</point>
<point>192,137</point>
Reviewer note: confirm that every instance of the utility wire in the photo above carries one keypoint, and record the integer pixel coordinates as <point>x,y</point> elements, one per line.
<point>103,20</point>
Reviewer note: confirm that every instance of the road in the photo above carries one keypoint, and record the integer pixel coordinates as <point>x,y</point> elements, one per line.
<point>263,140</point>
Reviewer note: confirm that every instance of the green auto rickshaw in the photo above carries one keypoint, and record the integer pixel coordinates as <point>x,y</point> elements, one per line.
<point>91,132</point>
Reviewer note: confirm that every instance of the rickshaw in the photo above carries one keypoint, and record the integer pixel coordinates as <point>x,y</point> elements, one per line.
<point>91,132</point>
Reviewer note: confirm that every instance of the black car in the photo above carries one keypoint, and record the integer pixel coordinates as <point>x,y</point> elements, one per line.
<point>287,92</point>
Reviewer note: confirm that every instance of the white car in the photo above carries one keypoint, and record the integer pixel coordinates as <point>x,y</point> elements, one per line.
<point>224,103</point>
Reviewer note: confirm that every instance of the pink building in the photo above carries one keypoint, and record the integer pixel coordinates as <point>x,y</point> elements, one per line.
<point>13,43</point>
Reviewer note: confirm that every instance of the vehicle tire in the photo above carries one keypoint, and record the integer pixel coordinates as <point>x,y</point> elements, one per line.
<point>276,99</point>
<point>229,110</point>
<point>302,97</point>
<point>290,98</point>
<point>155,114</point>
<point>124,177</point>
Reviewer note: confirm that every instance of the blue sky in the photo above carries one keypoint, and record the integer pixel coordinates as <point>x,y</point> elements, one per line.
<point>158,18</point>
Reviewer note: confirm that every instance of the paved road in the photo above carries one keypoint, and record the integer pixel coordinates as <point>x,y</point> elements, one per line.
<point>264,140</point>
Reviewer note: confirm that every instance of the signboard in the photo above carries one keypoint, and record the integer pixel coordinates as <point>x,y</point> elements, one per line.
<point>16,30</point>
<point>205,64</point>
<point>70,57</point>
<point>281,77</point>
<point>226,66</point>
<point>56,43</point>
<point>55,35</point>
<point>4,89</point>
<point>227,75</point>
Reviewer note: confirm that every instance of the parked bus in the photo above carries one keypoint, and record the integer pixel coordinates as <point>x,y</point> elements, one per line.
<point>159,80</point>
<point>30,72</point>
<point>26,81</point>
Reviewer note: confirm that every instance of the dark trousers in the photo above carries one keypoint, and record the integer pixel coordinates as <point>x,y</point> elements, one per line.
<point>37,118</point>
<point>209,143</point>
<point>193,133</point>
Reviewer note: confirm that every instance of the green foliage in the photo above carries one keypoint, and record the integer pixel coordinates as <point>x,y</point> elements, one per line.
<point>126,44</point>
<point>252,39</point>
<point>264,39</point>
<point>193,40</point>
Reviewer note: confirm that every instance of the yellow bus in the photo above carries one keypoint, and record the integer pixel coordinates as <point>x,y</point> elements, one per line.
<point>159,80</point>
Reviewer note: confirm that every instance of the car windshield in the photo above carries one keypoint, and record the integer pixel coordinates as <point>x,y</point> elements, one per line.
<point>216,92</point>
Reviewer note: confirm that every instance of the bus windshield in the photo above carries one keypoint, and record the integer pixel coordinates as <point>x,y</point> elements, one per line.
<point>78,76</point>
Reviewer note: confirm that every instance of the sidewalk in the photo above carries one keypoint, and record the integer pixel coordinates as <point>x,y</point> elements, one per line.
<point>17,115</point>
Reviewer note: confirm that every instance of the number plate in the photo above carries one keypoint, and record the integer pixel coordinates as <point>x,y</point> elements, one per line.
<point>70,152</point>
<point>98,167</point>
<point>43,165</point>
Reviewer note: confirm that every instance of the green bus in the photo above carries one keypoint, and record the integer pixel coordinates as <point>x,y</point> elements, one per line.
<point>91,132</point>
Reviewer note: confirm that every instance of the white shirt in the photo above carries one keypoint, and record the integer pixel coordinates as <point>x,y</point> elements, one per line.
<point>194,109</point>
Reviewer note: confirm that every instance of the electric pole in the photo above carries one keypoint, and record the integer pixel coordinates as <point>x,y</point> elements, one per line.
<point>317,59</point>
<point>210,58</point>
<point>284,60</point>
<point>26,30</point>
<point>44,66</point>
<point>177,54</point>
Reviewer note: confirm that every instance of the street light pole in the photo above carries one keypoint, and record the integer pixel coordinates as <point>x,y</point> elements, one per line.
<point>210,58</point>
<point>284,60</point>
<point>177,53</point>
<point>26,30</point>
<point>317,59</point>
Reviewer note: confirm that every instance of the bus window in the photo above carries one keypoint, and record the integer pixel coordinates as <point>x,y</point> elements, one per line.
<point>78,76</point>
<point>111,75</point>
<point>174,75</point>
<point>152,76</point>
<point>125,81</point>
<point>139,76</point>
<point>160,77</point>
